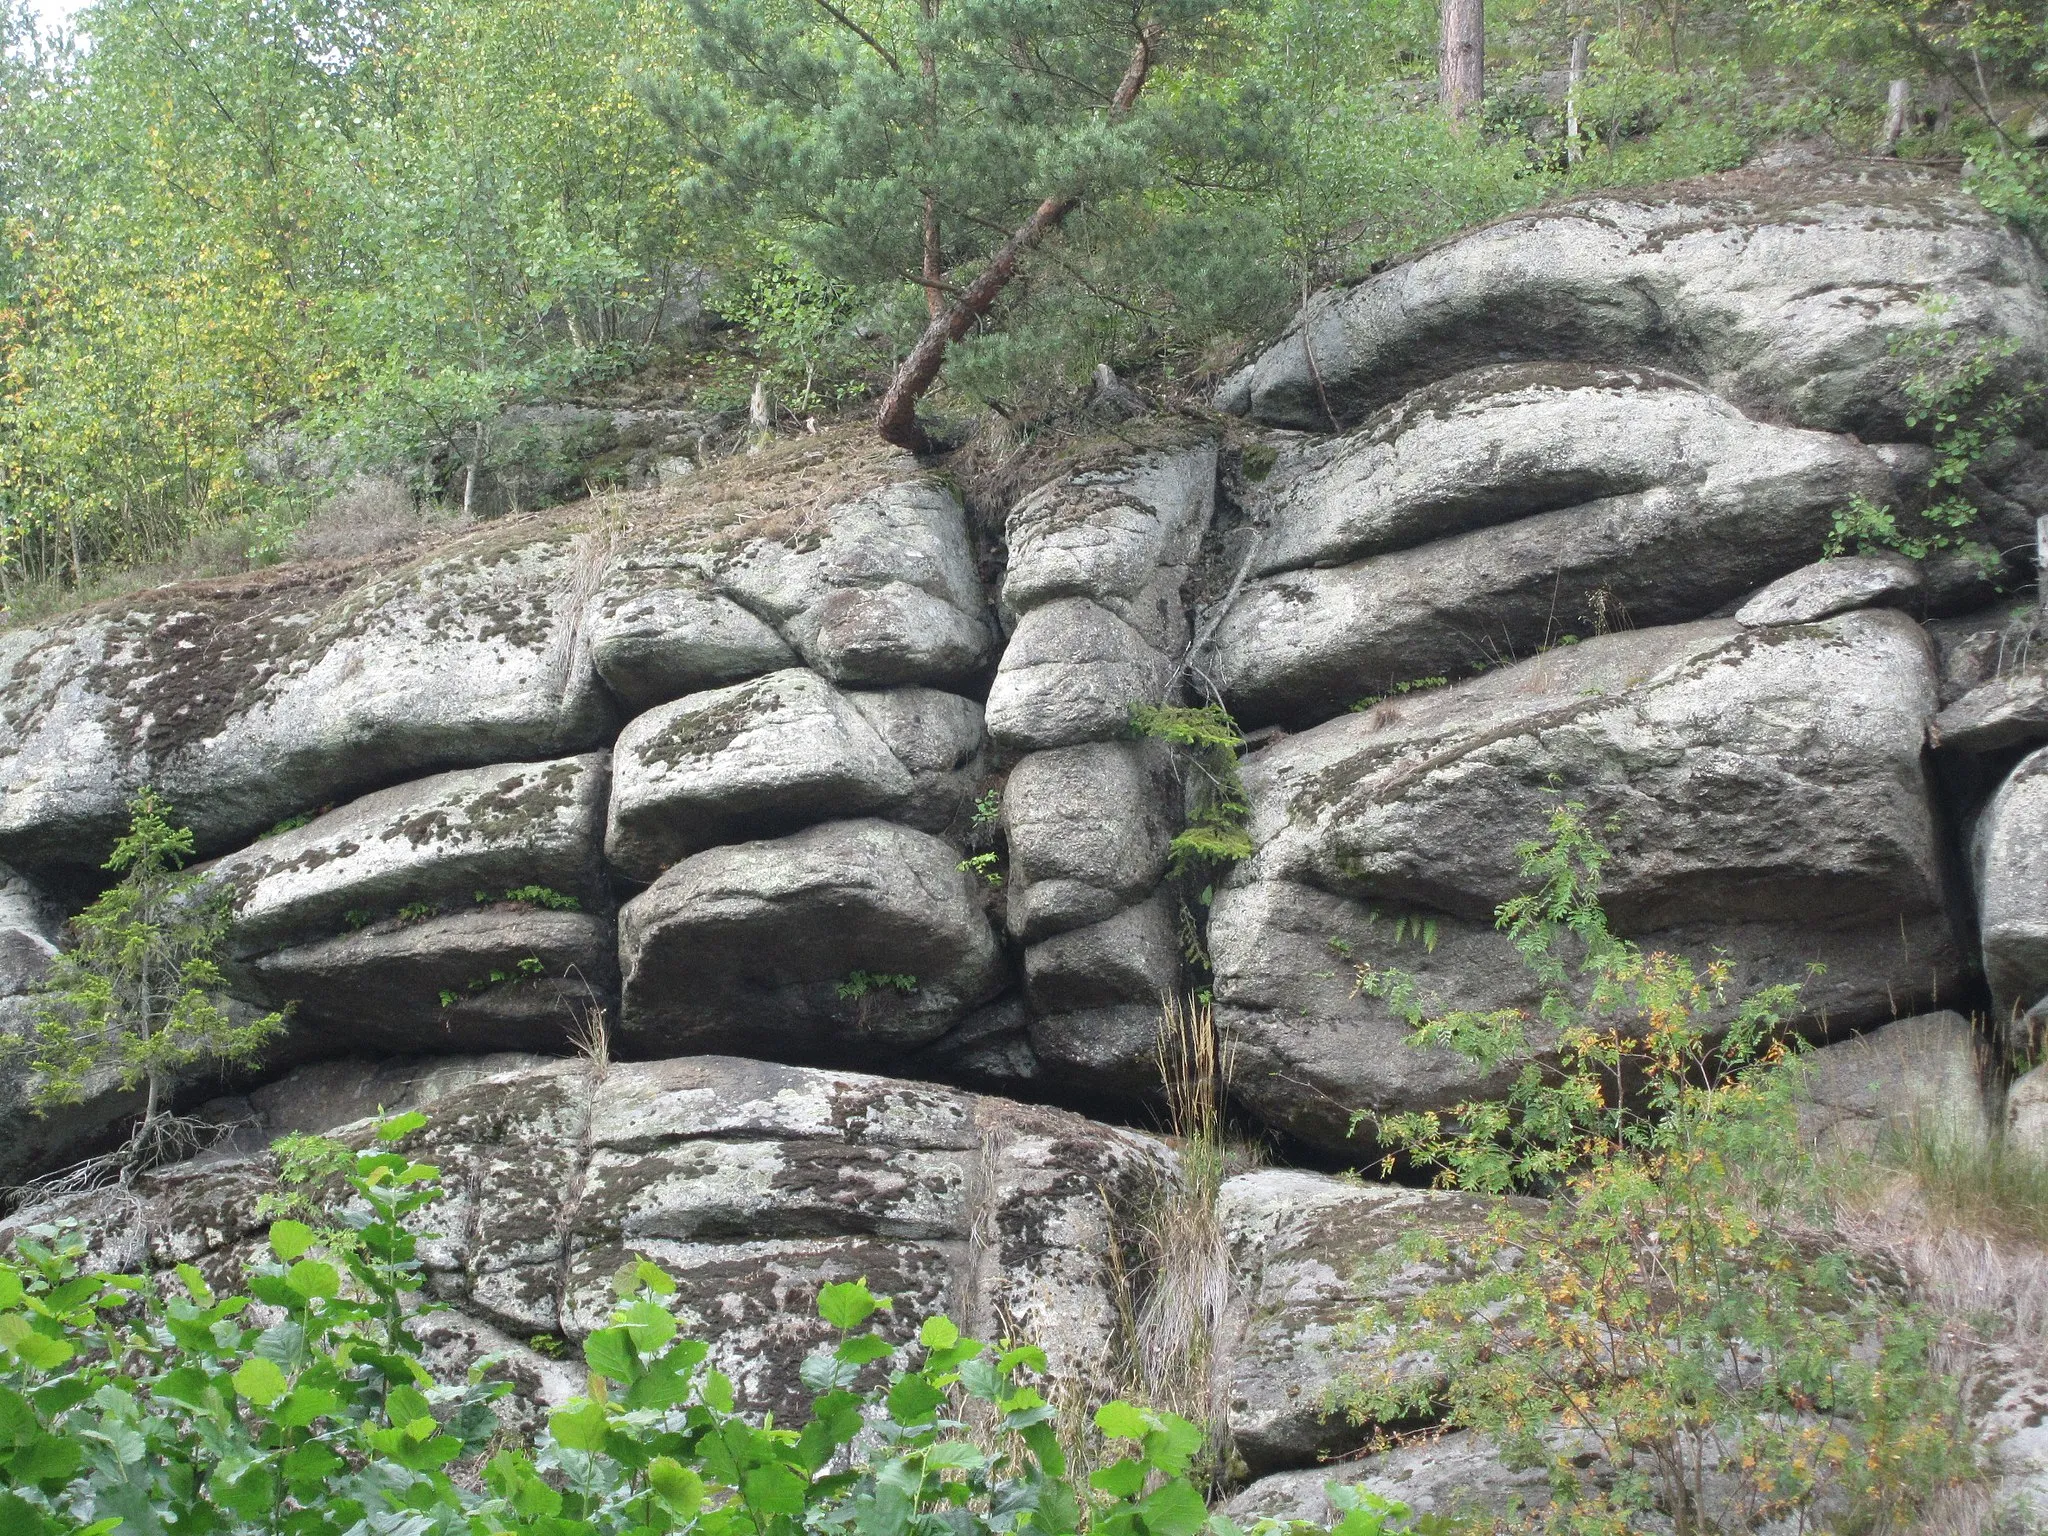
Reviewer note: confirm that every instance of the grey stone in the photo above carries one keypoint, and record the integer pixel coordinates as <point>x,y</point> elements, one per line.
<point>1918,1081</point>
<point>757,759</point>
<point>1109,1052</point>
<point>658,632</point>
<point>502,977</point>
<point>436,842</point>
<point>2026,1115</point>
<point>764,943</point>
<point>882,591</point>
<point>990,1048</point>
<point>1130,958</point>
<point>316,1098</point>
<point>2009,854</point>
<point>248,699</point>
<point>1457,1474</point>
<point>1506,442</point>
<point>1829,587</point>
<point>1071,673</point>
<point>1780,289</point>
<point>30,925</point>
<point>1088,830</point>
<point>1981,647</point>
<point>1309,1253</point>
<point>939,738</point>
<point>751,1184</point>
<point>1122,536</point>
<point>1544,516</point>
<point>1766,796</point>
<point>2008,711</point>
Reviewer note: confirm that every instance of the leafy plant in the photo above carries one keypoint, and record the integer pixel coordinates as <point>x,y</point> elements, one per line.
<point>1215,836</point>
<point>859,984</point>
<point>984,865</point>
<point>138,996</point>
<point>535,896</point>
<point>289,824</point>
<point>1948,378</point>
<point>126,1403</point>
<point>1656,1336</point>
<point>122,1402</point>
<point>988,808</point>
<point>417,912</point>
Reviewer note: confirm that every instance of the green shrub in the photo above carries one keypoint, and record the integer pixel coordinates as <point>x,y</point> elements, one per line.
<point>1655,1336</point>
<point>127,1406</point>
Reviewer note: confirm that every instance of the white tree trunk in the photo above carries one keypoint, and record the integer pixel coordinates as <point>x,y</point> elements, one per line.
<point>1896,101</point>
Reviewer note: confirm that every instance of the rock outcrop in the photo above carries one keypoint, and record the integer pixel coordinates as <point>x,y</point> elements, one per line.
<point>246,701</point>
<point>1765,796</point>
<point>1778,289</point>
<point>792,758</point>
<point>751,1184</point>
<point>2011,858</point>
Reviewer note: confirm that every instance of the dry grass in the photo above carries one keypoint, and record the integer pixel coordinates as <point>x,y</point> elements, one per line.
<point>1186,1287</point>
<point>368,516</point>
<point>783,492</point>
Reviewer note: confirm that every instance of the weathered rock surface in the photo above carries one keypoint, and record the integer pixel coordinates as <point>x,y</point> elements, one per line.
<point>658,632</point>
<point>501,977</point>
<point>248,700</point>
<point>1778,289</point>
<point>752,1185</point>
<point>765,944</point>
<point>1456,1474</point>
<point>1088,830</point>
<point>1309,1254</point>
<point>1509,441</point>
<point>1097,993</point>
<point>754,760</point>
<point>29,932</point>
<point>1766,796</point>
<point>434,843</point>
<point>1485,517</point>
<point>1071,673</point>
<point>1980,647</point>
<point>1122,535</point>
<point>2008,711</point>
<point>2026,1115</point>
<point>2010,855</point>
<point>1828,587</point>
<point>939,738</point>
<point>1918,1081</point>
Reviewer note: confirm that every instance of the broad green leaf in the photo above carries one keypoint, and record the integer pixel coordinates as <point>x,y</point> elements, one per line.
<point>314,1278</point>
<point>847,1305</point>
<point>398,1127</point>
<point>260,1381</point>
<point>1174,1509</point>
<point>863,1348</point>
<point>580,1426</point>
<point>610,1353</point>
<point>938,1332</point>
<point>10,1286</point>
<point>288,1239</point>
<point>679,1487</point>
<point>305,1405</point>
<point>1122,1479</point>
<point>1121,1421</point>
<point>913,1399</point>
<point>776,1489</point>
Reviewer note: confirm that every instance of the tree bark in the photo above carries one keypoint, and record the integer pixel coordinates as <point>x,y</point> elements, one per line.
<point>1461,57</point>
<point>1897,100</point>
<point>897,421</point>
<point>1574,80</point>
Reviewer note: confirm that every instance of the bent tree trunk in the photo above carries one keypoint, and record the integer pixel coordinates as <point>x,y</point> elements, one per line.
<point>897,422</point>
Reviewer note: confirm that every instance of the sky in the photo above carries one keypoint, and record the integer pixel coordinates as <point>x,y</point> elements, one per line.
<point>50,12</point>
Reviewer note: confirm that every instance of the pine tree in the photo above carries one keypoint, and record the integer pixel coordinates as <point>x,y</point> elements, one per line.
<point>932,144</point>
<point>139,995</point>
